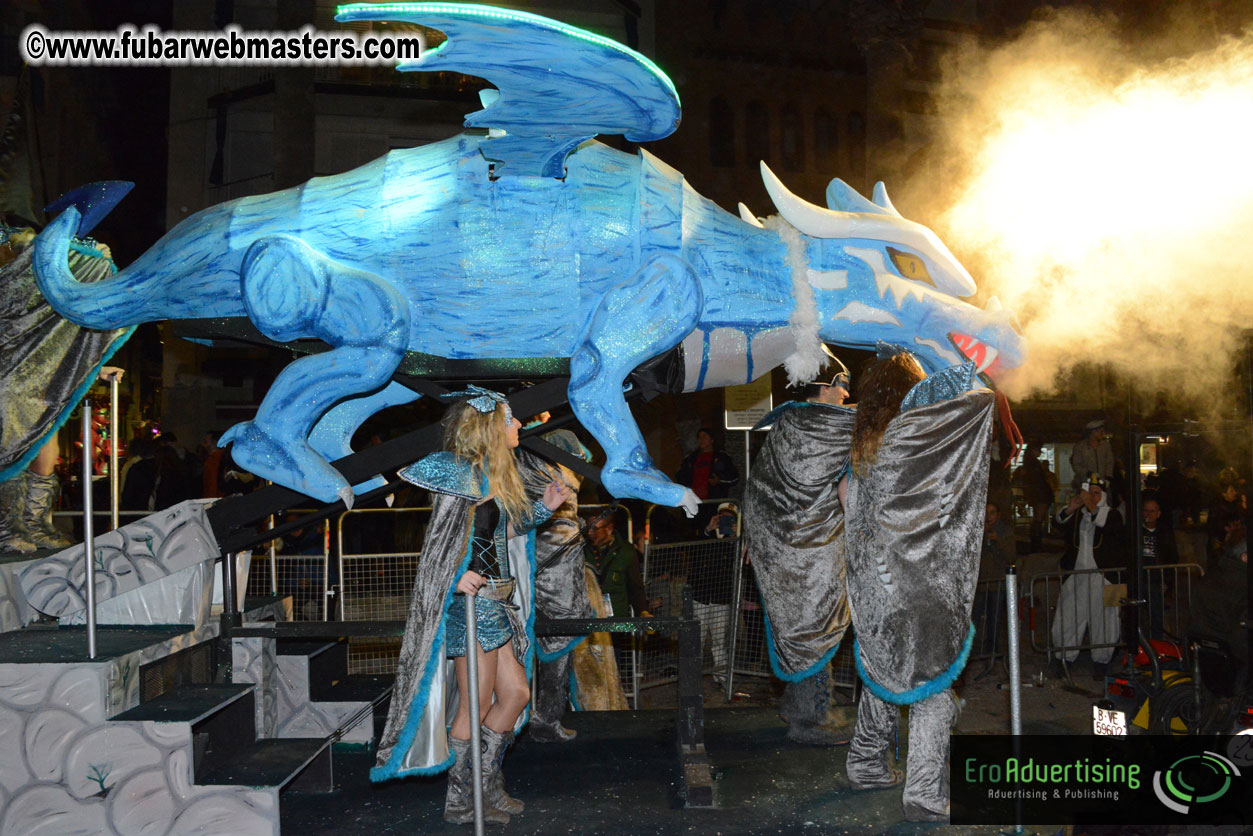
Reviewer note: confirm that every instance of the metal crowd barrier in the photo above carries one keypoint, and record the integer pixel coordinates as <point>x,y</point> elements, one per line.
<point>674,564</point>
<point>303,576</point>
<point>378,551</point>
<point>1167,587</point>
<point>991,628</point>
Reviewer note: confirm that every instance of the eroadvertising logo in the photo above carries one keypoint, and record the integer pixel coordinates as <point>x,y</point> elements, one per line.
<point>1060,779</point>
<point>1194,780</point>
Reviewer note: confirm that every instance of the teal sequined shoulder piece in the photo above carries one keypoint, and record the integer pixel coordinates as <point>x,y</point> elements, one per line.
<point>444,473</point>
<point>941,386</point>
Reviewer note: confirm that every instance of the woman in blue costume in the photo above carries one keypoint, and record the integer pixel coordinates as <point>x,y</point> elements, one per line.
<point>913,510</point>
<point>479,503</point>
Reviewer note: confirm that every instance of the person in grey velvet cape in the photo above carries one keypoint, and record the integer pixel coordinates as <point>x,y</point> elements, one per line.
<point>914,511</point>
<point>560,586</point>
<point>478,504</point>
<point>794,533</point>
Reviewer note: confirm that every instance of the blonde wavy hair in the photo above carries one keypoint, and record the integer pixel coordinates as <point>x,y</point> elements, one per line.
<point>479,438</point>
<point>880,390</point>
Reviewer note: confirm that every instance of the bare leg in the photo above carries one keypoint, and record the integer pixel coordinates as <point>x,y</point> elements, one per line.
<point>487,683</point>
<point>46,460</point>
<point>513,692</point>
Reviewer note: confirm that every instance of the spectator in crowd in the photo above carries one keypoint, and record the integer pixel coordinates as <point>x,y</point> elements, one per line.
<point>724,522</point>
<point>210,465</point>
<point>996,556</point>
<point>1092,532</point>
<point>172,482</point>
<point>1220,601</point>
<point>1229,502</point>
<point>140,484</point>
<point>1037,484</point>
<point>1093,454</point>
<point>617,567</point>
<point>709,576</point>
<point>708,471</point>
<point>1157,547</point>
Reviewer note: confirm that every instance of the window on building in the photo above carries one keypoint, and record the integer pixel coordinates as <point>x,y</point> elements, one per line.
<point>826,143</point>
<point>756,133</point>
<point>721,133</point>
<point>857,145</point>
<point>793,145</point>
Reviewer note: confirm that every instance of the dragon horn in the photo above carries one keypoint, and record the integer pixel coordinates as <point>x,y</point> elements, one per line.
<point>747,216</point>
<point>881,198</point>
<point>817,221</point>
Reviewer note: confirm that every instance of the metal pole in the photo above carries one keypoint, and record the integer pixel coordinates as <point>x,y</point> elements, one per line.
<point>476,742</point>
<point>273,558</point>
<point>114,492</point>
<point>1015,679</point>
<point>88,537</point>
<point>737,578</point>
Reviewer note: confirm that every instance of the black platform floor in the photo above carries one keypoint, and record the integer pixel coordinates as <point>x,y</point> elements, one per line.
<point>619,777</point>
<point>50,643</point>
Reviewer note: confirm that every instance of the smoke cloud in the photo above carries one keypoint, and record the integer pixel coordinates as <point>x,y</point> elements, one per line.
<point>1104,191</point>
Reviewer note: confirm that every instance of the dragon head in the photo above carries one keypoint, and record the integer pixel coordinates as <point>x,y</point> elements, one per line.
<point>878,276</point>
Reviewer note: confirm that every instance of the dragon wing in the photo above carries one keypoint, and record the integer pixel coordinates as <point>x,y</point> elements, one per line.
<point>559,85</point>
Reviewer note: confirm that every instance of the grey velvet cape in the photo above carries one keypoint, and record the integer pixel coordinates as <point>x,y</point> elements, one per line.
<point>794,528</point>
<point>47,363</point>
<point>560,585</point>
<point>914,528</point>
<point>415,739</point>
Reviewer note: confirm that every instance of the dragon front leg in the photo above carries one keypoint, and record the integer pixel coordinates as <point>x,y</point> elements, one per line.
<point>332,436</point>
<point>292,291</point>
<point>638,319</point>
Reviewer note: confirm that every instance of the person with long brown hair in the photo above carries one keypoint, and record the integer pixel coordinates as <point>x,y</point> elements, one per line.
<point>914,511</point>
<point>479,504</point>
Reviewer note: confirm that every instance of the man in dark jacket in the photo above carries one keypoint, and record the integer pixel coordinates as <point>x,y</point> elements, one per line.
<point>617,568</point>
<point>1157,548</point>
<point>1092,532</point>
<point>709,472</point>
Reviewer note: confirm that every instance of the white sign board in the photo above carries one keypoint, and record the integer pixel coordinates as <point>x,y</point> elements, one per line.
<point>746,405</point>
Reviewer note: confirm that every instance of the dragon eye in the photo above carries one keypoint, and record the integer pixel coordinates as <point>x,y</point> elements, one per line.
<point>911,266</point>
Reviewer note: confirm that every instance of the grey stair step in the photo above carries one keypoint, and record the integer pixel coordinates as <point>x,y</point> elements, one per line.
<point>187,704</point>
<point>273,762</point>
<point>303,647</point>
<point>357,687</point>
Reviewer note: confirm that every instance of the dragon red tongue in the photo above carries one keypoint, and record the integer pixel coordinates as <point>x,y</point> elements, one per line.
<point>972,348</point>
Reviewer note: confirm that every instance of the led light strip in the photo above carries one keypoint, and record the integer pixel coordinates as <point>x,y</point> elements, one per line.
<point>506,14</point>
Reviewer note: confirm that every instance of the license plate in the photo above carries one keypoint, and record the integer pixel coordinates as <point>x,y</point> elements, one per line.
<point>1108,722</point>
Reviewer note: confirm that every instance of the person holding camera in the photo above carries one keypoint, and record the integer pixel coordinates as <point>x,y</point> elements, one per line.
<point>1093,454</point>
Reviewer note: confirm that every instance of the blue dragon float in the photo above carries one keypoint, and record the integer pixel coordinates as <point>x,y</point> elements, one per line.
<point>524,237</point>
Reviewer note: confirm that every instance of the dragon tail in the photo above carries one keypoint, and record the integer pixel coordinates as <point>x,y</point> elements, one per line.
<point>109,303</point>
<point>181,276</point>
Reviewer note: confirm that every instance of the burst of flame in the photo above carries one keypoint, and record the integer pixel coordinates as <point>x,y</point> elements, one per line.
<point>1111,206</point>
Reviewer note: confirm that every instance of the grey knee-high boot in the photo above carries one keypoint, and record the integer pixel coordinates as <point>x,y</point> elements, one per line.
<point>868,764</point>
<point>12,540</point>
<point>811,716</point>
<point>494,745</point>
<point>926,796</point>
<point>552,695</point>
<point>41,494</point>
<point>459,801</point>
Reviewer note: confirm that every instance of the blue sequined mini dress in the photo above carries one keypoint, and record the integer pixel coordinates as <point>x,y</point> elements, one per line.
<point>492,617</point>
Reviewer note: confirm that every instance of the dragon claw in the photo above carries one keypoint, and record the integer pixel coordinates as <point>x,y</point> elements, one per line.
<point>293,464</point>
